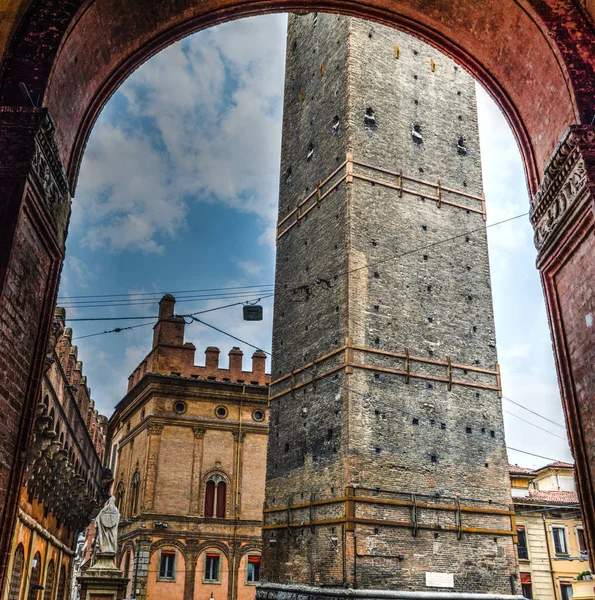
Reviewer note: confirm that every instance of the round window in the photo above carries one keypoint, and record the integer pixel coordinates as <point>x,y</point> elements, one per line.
<point>221,412</point>
<point>258,415</point>
<point>180,407</point>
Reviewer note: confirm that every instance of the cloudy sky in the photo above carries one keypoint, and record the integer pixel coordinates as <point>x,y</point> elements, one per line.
<point>178,191</point>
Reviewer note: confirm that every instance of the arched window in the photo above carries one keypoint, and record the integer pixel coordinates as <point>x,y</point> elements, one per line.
<point>61,584</point>
<point>16,578</point>
<point>49,581</point>
<point>120,493</point>
<point>34,579</point>
<point>215,497</point>
<point>127,564</point>
<point>134,492</point>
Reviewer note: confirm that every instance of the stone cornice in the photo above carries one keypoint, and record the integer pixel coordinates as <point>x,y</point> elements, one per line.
<point>564,185</point>
<point>154,425</point>
<point>154,384</point>
<point>31,523</point>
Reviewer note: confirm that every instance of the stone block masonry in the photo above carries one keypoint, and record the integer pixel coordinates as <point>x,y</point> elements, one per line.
<point>393,474</point>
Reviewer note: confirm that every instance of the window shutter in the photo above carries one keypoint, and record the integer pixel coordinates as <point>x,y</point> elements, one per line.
<point>221,489</point>
<point>210,499</point>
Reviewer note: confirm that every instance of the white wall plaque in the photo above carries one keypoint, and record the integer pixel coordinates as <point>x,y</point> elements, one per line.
<point>442,580</point>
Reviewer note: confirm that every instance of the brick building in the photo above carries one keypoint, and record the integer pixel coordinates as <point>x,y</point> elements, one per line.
<point>64,481</point>
<point>393,473</point>
<point>188,450</point>
<point>552,546</point>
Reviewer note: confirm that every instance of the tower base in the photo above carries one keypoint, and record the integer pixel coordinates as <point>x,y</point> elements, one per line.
<point>279,591</point>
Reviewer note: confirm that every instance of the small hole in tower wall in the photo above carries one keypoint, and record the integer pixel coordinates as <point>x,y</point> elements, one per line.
<point>377,449</point>
<point>462,146</point>
<point>434,458</point>
<point>370,119</point>
<point>288,175</point>
<point>415,421</point>
<point>310,151</point>
<point>336,125</point>
<point>416,133</point>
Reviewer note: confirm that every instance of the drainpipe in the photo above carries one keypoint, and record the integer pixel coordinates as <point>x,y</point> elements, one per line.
<point>549,556</point>
<point>234,578</point>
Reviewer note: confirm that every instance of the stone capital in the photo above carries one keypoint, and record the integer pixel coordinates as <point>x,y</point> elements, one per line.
<point>568,182</point>
<point>239,437</point>
<point>155,428</point>
<point>199,432</point>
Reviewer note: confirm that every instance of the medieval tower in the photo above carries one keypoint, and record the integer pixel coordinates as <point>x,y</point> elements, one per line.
<point>386,460</point>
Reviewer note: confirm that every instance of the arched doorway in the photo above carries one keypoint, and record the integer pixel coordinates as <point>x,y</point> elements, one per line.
<point>535,58</point>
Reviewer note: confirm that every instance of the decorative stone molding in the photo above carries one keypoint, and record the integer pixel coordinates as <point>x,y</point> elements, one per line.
<point>199,432</point>
<point>29,149</point>
<point>31,523</point>
<point>155,428</point>
<point>564,185</point>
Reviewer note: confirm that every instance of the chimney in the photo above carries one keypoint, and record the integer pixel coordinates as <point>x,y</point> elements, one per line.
<point>169,330</point>
<point>212,361</point>
<point>166,307</point>
<point>258,365</point>
<point>235,363</point>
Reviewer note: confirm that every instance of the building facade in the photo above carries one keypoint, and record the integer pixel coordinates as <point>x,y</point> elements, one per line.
<point>391,472</point>
<point>65,483</point>
<point>188,450</point>
<point>552,546</point>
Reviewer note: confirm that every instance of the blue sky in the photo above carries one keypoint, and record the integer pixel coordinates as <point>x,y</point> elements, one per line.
<point>178,191</point>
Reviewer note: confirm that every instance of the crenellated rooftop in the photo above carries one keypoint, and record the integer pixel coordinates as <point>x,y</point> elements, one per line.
<point>170,355</point>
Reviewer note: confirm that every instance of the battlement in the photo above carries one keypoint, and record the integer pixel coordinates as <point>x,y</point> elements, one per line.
<point>74,382</point>
<point>170,355</point>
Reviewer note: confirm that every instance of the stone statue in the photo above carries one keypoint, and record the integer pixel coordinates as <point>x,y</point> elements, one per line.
<point>107,528</point>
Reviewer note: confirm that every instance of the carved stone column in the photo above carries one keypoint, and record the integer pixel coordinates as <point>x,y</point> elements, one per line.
<point>197,453</point>
<point>154,430</point>
<point>238,446</point>
<point>34,212</point>
<point>563,216</point>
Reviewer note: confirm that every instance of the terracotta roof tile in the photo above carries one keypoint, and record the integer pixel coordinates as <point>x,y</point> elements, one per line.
<point>558,465</point>
<point>552,497</point>
<point>516,470</point>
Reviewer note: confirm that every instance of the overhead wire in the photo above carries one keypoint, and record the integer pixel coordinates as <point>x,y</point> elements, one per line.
<point>317,280</point>
<point>535,425</point>
<point>534,413</point>
<point>159,294</point>
<point>317,376</point>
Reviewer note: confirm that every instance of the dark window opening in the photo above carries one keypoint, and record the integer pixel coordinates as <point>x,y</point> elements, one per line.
<point>461,146</point>
<point>212,562</point>
<point>166,564</point>
<point>253,574</point>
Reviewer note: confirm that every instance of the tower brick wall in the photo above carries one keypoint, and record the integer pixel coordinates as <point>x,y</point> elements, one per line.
<point>396,467</point>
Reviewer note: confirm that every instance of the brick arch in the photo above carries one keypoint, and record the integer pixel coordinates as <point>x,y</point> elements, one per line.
<point>170,543</point>
<point>213,544</point>
<point>532,56</point>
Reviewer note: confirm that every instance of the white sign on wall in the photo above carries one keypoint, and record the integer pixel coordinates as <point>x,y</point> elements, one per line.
<point>441,580</point>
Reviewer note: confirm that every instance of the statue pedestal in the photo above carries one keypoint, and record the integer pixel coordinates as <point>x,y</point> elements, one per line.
<point>103,581</point>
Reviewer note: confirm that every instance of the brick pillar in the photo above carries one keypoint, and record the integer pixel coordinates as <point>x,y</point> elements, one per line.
<point>199,436</point>
<point>155,430</point>
<point>563,216</point>
<point>34,212</point>
<point>190,558</point>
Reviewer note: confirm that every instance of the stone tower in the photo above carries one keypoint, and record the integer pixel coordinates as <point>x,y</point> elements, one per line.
<point>391,473</point>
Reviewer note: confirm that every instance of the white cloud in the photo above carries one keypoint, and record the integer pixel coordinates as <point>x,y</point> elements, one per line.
<point>211,131</point>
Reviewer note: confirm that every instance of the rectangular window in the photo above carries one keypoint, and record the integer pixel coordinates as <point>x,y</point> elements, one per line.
<point>559,535</point>
<point>522,544</point>
<point>166,565</point>
<point>566,590</point>
<point>582,542</point>
<point>527,590</point>
<point>253,569</point>
<point>212,562</point>
<point>526,585</point>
